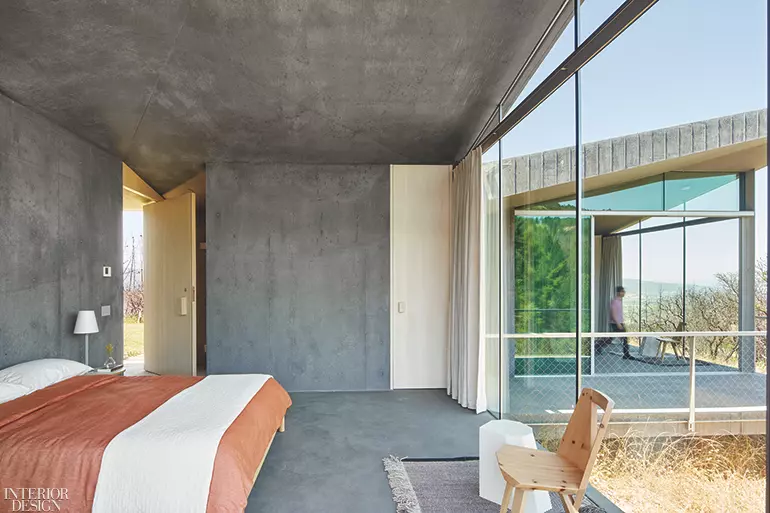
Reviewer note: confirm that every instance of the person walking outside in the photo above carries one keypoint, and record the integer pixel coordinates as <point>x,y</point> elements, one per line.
<point>616,318</point>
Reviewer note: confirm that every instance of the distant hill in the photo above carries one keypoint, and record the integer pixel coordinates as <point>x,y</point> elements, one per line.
<point>651,288</point>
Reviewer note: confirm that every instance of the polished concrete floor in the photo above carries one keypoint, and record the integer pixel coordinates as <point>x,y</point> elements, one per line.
<point>330,457</point>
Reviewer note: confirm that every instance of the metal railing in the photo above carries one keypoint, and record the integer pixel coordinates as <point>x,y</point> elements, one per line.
<point>727,383</point>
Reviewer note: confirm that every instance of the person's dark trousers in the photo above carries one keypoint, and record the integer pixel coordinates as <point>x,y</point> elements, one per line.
<point>617,329</point>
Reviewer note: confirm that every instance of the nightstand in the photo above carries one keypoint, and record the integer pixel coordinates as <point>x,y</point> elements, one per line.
<point>117,371</point>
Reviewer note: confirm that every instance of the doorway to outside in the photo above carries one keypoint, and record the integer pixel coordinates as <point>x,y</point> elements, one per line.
<point>163,277</point>
<point>133,291</point>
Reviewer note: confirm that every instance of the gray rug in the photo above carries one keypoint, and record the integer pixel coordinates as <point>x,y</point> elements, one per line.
<point>447,486</point>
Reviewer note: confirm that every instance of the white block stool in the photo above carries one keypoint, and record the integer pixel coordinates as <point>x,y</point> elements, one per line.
<point>492,436</point>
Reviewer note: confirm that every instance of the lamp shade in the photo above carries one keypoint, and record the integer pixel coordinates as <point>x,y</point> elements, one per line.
<point>86,323</point>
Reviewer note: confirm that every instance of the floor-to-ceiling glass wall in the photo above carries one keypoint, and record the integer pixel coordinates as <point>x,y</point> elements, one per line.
<point>671,223</point>
<point>678,103</point>
<point>675,117</point>
<point>540,275</point>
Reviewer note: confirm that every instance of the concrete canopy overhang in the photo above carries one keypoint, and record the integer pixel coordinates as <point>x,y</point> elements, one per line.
<point>735,143</point>
<point>169,85</point>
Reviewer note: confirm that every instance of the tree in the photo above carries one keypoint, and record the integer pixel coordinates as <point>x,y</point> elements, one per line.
<point>710,309</point>
<point>544,268</point>
<point>133,280</point>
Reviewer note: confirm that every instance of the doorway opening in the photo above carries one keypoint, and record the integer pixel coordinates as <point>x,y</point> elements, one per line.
<point>133,290</point>
<point>164,276</point>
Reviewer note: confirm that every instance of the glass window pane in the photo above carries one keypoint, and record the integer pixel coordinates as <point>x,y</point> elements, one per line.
<point>662,277</point>
<point>760,271</point>
<point>560,49</point>
<point>545,274</point>
<point>643,195</point>
<point>672,106</point>
<point>631,257</point>
<point>672,191</point>
<point>701,191</point>
<point>638,195</point>
<point>595,12</point>
<point>712,285</point>
<point>668,69</point>
<point>539,257</point>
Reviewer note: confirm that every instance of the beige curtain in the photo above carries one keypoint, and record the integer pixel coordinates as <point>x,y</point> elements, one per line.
<point>466,350</point>
<point>610,276</point>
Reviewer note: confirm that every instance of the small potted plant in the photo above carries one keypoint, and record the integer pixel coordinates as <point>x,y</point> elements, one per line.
<point>110,363</point>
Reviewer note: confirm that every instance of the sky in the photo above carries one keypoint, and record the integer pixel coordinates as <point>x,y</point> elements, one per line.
<point>132,225</point>
<point>682,61</point>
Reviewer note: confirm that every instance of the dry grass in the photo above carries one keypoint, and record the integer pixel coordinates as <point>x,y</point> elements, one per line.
<point>683,474</point>
<point>133,339</point>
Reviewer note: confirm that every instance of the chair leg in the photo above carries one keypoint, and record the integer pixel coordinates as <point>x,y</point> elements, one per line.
<point>566,501</point>
<point>519,500</point>
<point>579,498</point>
<point>506,498</point>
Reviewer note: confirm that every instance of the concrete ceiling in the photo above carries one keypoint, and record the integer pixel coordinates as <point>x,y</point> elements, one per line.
<point>168,85</point>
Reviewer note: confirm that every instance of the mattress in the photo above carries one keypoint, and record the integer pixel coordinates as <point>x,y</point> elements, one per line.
<point>149,443</point>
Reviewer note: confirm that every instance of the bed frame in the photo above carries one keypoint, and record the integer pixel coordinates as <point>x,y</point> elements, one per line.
<point>281,429</point>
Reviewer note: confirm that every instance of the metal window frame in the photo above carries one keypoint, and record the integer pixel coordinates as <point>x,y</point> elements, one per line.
<point>579,179</point>
<point>526,68</point>
<point>638,213</point>
<point>618,22</point>
<point>583,52</point>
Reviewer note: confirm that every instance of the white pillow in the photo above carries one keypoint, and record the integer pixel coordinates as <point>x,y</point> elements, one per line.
<point>10,391</point>
<point>39,374</point>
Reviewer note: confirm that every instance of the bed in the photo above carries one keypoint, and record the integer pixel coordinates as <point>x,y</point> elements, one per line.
<point>148,443</point>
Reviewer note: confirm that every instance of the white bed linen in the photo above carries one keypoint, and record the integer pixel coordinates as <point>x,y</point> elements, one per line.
<point>37,374</point>
<point>164,462</point>
<point>11,391</point>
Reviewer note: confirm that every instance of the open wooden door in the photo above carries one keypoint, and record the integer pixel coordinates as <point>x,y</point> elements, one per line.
<point>169,286</point>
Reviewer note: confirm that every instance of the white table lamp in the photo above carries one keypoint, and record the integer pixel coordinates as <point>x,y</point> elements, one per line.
<point>85,325</point>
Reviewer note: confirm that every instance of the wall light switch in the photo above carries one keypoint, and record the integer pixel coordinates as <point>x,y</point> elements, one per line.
<point>401,306</point>
<point>183,305</point>
<point>107,271</point>
<point>106,311</point>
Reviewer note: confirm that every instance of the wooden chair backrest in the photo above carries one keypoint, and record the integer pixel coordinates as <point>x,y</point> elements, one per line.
<point>585,431</point>
<point>680,327</point>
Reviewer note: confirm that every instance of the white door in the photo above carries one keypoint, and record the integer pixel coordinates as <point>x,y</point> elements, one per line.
<point>419,275</point>
<point>169,286</point>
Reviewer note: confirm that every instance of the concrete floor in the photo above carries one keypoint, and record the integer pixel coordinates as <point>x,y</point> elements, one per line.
<point>135,367</point>
<point>330,457</point>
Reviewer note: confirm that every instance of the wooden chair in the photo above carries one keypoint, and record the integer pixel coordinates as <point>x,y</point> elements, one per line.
<point>674,342</point>
<point>566,471</point>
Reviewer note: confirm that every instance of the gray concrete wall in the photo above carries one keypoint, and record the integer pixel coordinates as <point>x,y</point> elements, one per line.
<point>60,222</point>
<point>298,273</point>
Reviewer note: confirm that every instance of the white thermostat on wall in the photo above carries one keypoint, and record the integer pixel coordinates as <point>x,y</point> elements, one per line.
<point>106,271</point>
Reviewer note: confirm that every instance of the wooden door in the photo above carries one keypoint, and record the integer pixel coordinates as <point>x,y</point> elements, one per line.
<point>169,286</point>
<point>419,275</point>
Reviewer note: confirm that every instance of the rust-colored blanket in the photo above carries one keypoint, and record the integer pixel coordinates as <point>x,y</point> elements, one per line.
<point>54,438</point>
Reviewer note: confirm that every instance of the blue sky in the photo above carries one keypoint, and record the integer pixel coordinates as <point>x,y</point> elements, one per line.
<point>682,61</point>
